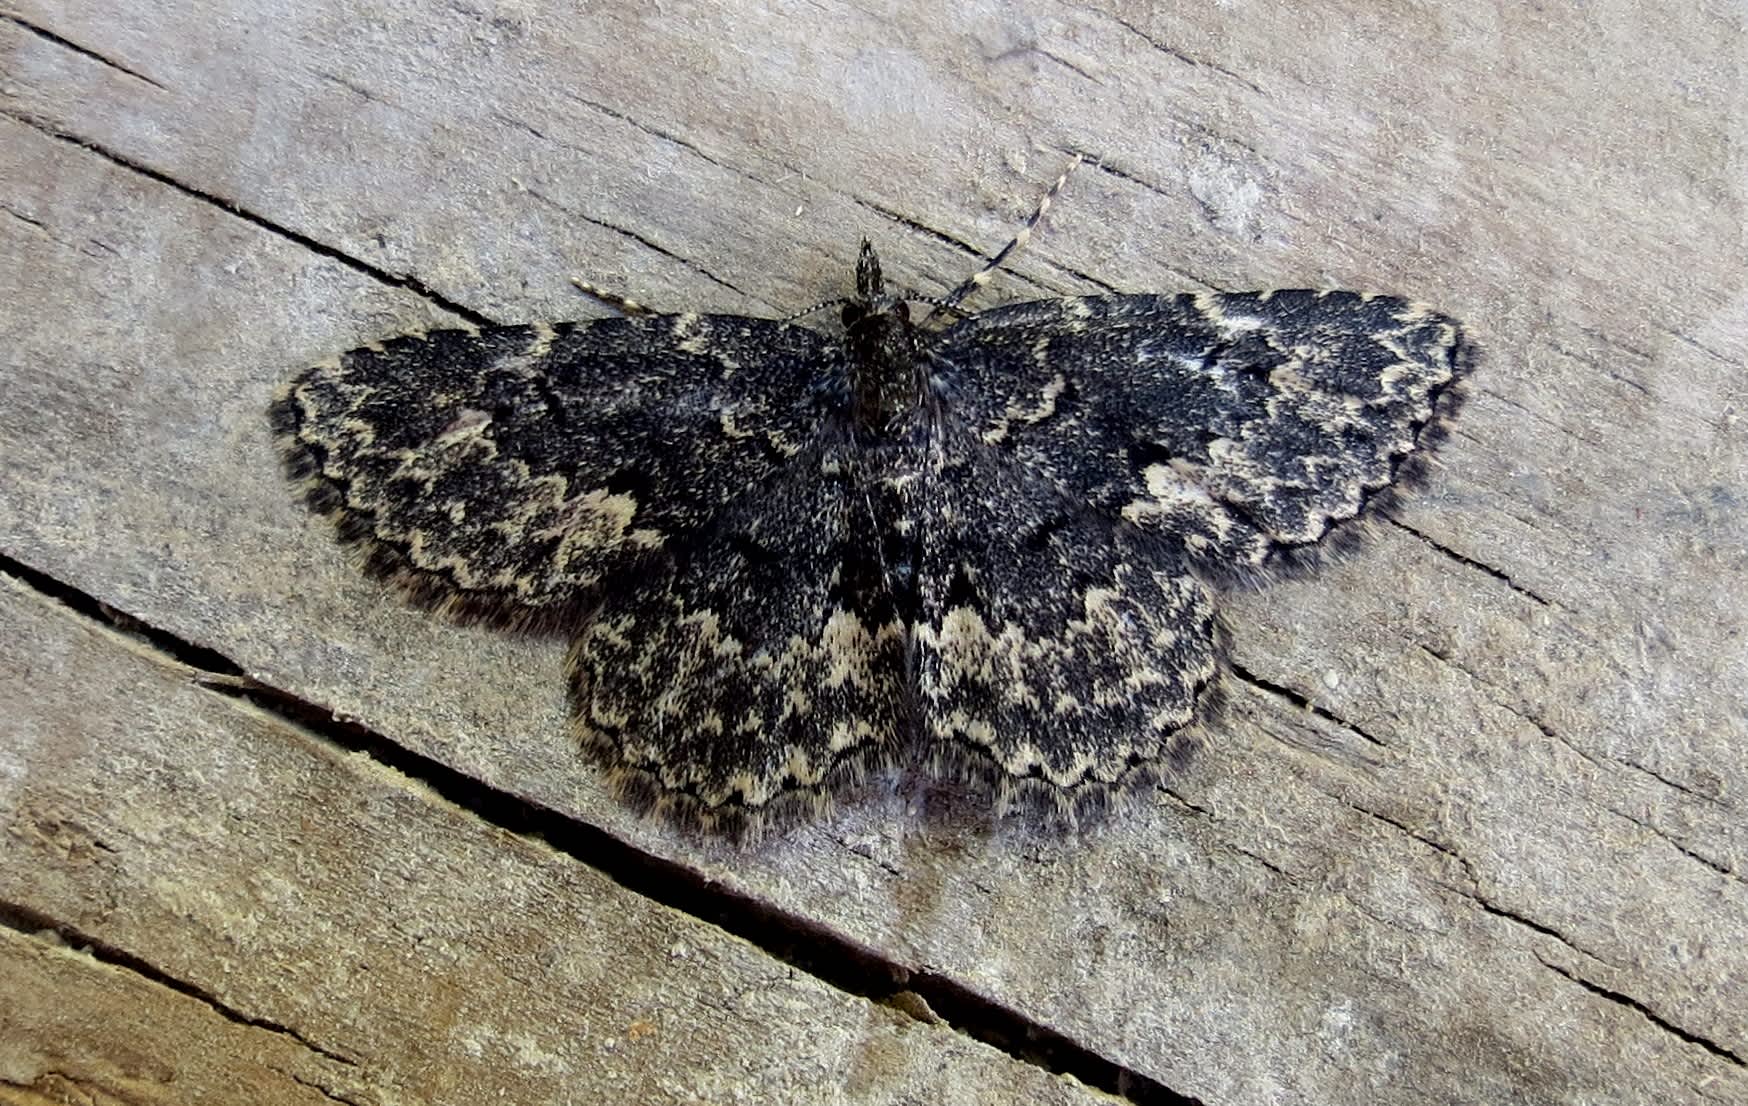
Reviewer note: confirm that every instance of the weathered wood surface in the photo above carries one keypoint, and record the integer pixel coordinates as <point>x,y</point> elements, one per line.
<point>346,933</point>
<point>1475,829</point>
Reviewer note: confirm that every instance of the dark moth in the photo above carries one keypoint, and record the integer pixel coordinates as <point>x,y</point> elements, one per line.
<point>988,550</point>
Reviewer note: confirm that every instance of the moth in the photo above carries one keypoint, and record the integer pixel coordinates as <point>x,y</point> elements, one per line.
<point>982,546</point>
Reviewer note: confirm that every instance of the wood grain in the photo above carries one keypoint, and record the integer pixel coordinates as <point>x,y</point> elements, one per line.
<point>270,915</point>
<point>1474,831</point>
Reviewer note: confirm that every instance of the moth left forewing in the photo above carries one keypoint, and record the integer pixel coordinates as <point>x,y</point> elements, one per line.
<point>505,472</point>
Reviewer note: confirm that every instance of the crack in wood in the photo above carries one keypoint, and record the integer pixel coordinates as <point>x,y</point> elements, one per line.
<point>1522,713</point>
<point>646,243</point>
<point>1187,59</point>
<point>1706,861</point>
<point>1551,734</point>
<point>1537,416</point>
<point>656,132</point>
<point>28,220</point>
<point>945,239</point>
<point>31,922</point>
<point>355,88</point>
<point>325,1092</point>
<point>1648,1014</point>
<point>1464,862</point>
<point>1733,363</point>
<point>83,51</point>
<point>1489,906</point>
<point>796,941</point>
<point>693,148</point>
<point>1676,785</point>
<point>1205,812</point>
<point>321,249</point>
<point>1469,562</point>
<point>1301,701</point>
<point>1048,55</point>
<point>1086,278</point>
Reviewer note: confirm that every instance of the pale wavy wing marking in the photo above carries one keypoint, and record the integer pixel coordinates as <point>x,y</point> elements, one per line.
<point>522,465</point>
<point>1057,662</point>
<point>1236,426</point>
<point>760,668</point>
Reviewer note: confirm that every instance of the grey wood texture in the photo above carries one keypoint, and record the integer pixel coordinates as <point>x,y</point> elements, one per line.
<point>1473,831</point>
<point>335,929</point>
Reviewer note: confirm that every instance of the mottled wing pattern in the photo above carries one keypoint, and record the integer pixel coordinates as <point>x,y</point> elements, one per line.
<point>1058,658</point>
<point>787,560</point>
<point>760,666</point>
<point>1239,428</point>
<point>504,472</point>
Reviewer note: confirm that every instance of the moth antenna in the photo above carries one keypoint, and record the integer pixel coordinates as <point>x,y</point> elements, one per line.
<point>623,304</point>
<point>939,303</point>
<point>981,277</point>
<point>806,311</point>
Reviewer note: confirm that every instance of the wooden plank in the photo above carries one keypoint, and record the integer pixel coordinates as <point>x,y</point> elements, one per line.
<point>75,1029</point>
<point>1500,856</point>
<point>275,915</point>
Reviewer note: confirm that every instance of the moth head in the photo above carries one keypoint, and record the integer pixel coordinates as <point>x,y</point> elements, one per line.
<point>871,315</point>
<point>871,306</point>
<point>869,285</point>
<point>882,345</point>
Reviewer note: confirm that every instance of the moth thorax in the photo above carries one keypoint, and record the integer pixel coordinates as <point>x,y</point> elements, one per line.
<point>886,380</point>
